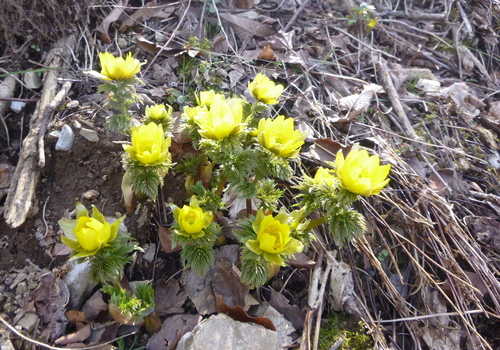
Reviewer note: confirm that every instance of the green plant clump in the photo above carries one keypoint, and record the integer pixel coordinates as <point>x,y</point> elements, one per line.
<point>339,327</point>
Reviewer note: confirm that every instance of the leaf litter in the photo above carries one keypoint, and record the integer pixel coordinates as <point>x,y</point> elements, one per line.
<point>426,272</point>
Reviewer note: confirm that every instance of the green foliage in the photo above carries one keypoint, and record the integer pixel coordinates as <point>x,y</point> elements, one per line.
<point>207,199</point>
<point>137,305</point>
<point>345,224</point>
<point>198,257</point>
<point>146,179</point>
<point>254,272</point>
<point>269,195</point>
<point>339,327</point>
<point>109,263</point>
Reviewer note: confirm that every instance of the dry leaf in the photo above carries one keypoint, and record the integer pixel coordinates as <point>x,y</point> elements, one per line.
<point>245,27</point>
<point>171,331</point>
<point>151,9</point>
<point>266,54</point>
<point>227,283</point>
<point>51,298</point>
<point>359,103</point>
<point>325,150</point>
<point>74,316</point>
<point>243,4</point>
<point>110,18</point>
<point>165,236</point>
<point>169,298</point>
<point>79,336</point>
<point>292,313</point>
<point>238,314</point>
<point>93,307</point>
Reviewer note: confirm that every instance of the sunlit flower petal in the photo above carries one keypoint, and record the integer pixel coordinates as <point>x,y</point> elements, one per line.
<point>265,90</point>
<point>361,173</point>
<point>273,238</point>
<point>149,145</point>
<point>192,219</point>
<point>280,137</point>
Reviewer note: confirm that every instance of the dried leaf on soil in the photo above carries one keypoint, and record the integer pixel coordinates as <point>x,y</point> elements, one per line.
<point>169,298</point>
<point>238,314</point>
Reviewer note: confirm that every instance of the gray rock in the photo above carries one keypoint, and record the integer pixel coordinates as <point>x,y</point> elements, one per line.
<point>33,80</point>
<point>18,279</point>
<point>90,194</point>
<point>66,139</point>
<point>21,288</point>
<point>90,135</point>
<point>149,256</point>
<point>79,284</point>
<point>28,322</point>
<point>223,333</point>
<point>17,106</point>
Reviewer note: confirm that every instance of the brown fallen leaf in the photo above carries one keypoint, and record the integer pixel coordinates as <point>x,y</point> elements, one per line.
<point>110,18</point>
<point>227,284</point>
<point>74,316</point>
<point>292,313</point>
<point>171,331</point>
<point>267,54</point>
<point>93,307</point>
<point>165,236</point>
<point>475,281</point>
<point>238,314</point>
<point>76,337</point>
<point>152,9</point>
<point>169,298</point>
<point>325,150</point>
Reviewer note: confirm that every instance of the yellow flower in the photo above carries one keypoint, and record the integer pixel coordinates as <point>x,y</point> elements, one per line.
<point>192,219</point>
<point>191,112</point>
<point>207,98</point>
<point>222,120</point>
<point>273,238</point>
<point>88,235</point>
<point>149,145</point>
<point>280,137</point>
<point>265,90</point>
<point>361,173</point>
<point>116,68</point>
<point>324,176</point>
<point>158,112</point>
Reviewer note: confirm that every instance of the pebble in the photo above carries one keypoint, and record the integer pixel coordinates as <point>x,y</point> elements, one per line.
<point>21,288</point>
<point>18,279</point>
<point>28,322</point>
<point>90,135</point>
<point>122,43</point>
<point>149,256</point>
<point>17,106</point>
<point>32,80</point>
<point>90,194</point>
<point>66,139</point>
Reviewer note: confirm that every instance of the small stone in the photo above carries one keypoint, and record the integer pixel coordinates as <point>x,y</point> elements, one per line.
<point>17,106</point>
<point>18,279</point>
<point>32,80</point>
<point>122,43</point>
<point>55,134</point>
<point>222,332</point>
<point>66,139</point>
<point>149,256</point>
<point>72,104</point>
<point>90,194</point>
<point>21,288</point>
<point>90,135</point>
<point>77,125</point>
<point>28,322</point>
<point>79,284</point>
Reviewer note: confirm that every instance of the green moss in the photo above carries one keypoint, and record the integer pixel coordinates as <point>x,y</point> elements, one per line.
<point>343,327</point>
